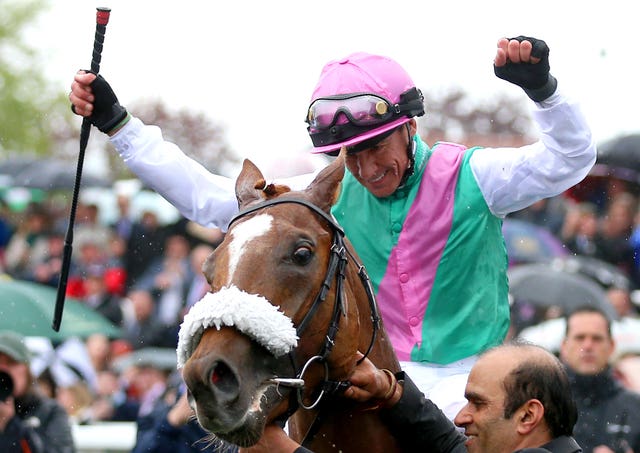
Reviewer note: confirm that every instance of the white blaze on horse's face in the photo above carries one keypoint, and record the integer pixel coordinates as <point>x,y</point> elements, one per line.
<point>242,235</point>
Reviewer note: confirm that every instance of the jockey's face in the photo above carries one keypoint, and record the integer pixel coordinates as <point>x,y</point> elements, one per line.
<point>380,168</point>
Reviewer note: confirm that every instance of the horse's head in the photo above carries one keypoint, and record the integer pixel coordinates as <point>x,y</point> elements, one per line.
<point>276,305</point>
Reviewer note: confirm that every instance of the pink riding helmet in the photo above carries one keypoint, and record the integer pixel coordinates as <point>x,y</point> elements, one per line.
<point>362,73</point>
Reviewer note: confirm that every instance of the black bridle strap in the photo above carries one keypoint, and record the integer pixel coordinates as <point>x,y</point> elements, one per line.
<point>282,200</point>
<point>337,258</point>
<point>336,267</point>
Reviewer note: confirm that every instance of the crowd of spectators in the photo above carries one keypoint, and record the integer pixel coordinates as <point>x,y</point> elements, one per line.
<point>139,274</point>
<point>143,275</point>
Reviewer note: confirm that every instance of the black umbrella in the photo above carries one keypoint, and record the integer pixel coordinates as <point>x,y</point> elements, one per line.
<point>622,151</point>
<point>606,274</point>
<point>49,174</point>
<point>618,163</point>
<point>544,285</point>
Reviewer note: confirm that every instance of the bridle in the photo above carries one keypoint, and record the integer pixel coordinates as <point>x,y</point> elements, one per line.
<point>335,271</point>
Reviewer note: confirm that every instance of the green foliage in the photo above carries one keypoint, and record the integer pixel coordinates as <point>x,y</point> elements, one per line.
<point>27,104</point>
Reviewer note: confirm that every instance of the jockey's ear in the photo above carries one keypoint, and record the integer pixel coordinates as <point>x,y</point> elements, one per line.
<point>325,188</point>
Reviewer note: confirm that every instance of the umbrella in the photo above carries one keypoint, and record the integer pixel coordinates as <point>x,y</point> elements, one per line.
<point>543,285</point>
<point>52,174</point>
<point>27,308</point>
<point>618,163</point>
<point>622,151</point>
<point>528,243</point>
<point>604,273</point>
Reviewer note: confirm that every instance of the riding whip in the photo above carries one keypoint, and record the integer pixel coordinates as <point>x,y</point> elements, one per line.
<point>102,19</point>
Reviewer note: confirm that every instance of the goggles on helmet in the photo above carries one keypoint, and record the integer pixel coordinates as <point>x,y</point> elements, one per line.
<point>363,111</point>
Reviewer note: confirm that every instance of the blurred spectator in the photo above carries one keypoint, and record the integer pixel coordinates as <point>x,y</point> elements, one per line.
<point>28,241</point>
<point>548,213</point>
<point>6,226</point>
<point>198,285</point>
<point>89,228</point>
<point>148,372</point>
<point>112,402</point>
<point>173,428</point>
<point>168,278</point>
<point>634,242</point>
<point>144,246</point>
<point>145,329</point>
<point>27,416</point>
<point>608,414</point>
<point>580,230</point>
<point>115,274</point>
<point>615,231</point>
<point>45,267</point>
<point>89,260</point>
<point>627,371</point>
<point>123,225</point>
<point>99,351</point>
<point>620,299</point>
<point>99,299</point>
<point>6,231</point>
<point>166,422</point>
<point>76,400</point>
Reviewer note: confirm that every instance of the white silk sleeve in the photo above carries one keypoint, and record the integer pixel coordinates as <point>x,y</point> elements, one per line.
<point>513,178</point>
<point>198,194</point>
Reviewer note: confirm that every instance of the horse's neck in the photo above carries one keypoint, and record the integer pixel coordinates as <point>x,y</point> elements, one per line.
<point>383,355</point>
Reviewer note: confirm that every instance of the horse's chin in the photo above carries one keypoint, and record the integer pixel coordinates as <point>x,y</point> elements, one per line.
<point>247,430</point>
<point>247,434</point>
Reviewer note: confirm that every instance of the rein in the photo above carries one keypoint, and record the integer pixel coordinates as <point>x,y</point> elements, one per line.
<point>335,270</point>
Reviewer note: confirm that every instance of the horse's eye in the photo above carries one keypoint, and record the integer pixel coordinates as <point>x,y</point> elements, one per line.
<point>302,255</point>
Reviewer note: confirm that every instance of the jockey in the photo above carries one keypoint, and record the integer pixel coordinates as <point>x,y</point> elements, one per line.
<point>426,221</point>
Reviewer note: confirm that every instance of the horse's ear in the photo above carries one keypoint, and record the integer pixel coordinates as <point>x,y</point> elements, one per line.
<point>249,177</point>
<point>325,188</point>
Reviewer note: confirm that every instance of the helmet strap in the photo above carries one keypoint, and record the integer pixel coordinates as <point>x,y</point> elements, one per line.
<point>411,156</point>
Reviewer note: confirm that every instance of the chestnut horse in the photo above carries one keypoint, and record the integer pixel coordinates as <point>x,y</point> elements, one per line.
<point>276,337</point>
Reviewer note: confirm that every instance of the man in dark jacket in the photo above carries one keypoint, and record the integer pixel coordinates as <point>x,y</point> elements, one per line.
<point>518,401</point>
<point>29,421</point>
<point>608,414</point>
<point>174,429</point>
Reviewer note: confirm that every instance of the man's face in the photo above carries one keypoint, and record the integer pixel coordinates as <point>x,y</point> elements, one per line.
<point>381,167</point>
<point>587,346</point>
<point>482,417</point>
<point>18,371</point>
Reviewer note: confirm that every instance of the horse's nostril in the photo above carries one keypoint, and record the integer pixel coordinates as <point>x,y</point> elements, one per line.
<point>223,378</point>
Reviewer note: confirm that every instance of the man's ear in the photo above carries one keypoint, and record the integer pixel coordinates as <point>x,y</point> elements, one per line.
<point>529,416</point>
<point>413,126</point>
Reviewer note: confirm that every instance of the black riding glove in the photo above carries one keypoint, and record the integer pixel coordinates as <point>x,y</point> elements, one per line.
<point>534,79</point>
<point>107,112</point>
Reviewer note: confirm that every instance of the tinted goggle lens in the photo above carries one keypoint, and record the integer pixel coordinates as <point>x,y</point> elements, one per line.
<point>361,110</point>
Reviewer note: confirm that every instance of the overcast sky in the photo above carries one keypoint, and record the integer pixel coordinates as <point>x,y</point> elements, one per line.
<point>251,65</point>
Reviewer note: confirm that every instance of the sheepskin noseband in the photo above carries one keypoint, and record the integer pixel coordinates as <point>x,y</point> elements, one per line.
<point>251,314</point>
